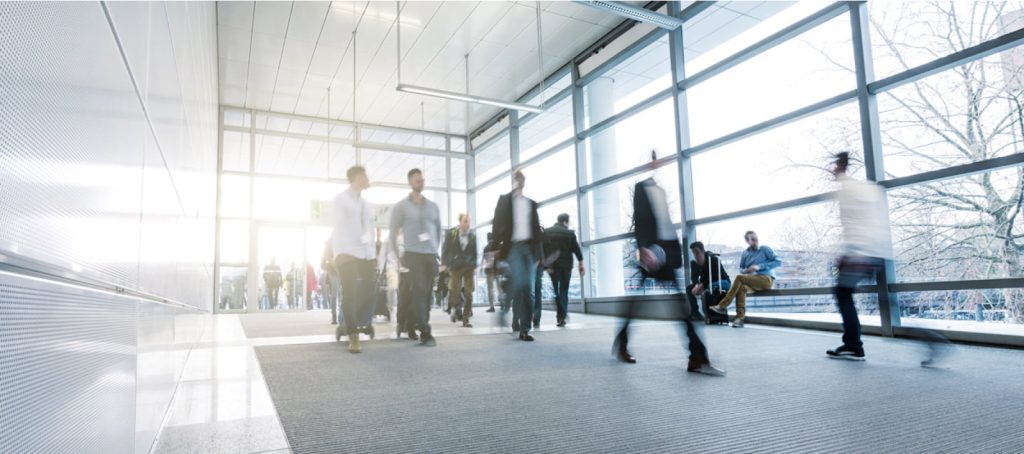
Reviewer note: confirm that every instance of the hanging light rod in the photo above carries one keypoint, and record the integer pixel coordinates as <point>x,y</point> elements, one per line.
<point>467,98</point>
<point>635,13</point>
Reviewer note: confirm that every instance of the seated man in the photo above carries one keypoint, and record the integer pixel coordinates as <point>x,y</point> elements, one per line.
<point>756,264</point>
<point>701,275</point>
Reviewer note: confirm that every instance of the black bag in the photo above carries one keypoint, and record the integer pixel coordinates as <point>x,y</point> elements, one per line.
<point>380,295</point>
<point>713,295</point>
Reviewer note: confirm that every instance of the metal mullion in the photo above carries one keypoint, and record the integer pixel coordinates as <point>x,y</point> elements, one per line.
<point>339,122</point>
<point>558,97</point>
<point>820,17</point>
<point>995,45</point>
<point>763,209</point>
<point>955,171</point>
<point>783,119</point>
<point>625,54</point>
<point>558,198</point>
<point>626,114</point>
<point>661,162</point>
<point>871,140</point>
<point>546,153</point>
<point>355,143</point>
<point>493,179</point>
<point>513,139</point>
<point>217,225</point>
<point>684,168</point>
<point>607,239</point>
<point>980,284</point>
<point>252,277</point>
<point>559,73</point>
<point>582,209</point>
<point>695,9</point>
<point>494,139</point>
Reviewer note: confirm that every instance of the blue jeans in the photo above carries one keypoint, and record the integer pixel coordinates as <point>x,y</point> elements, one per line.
<point>522,279</point>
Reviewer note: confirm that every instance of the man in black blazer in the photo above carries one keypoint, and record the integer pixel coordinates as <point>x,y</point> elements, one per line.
<point>563,244</point>
<point>660,256</point>
<point>517,231</point>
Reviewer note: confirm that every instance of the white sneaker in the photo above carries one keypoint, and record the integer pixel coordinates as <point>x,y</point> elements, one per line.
<point>737,323</point>
<point>708,369</point>
<point>720,310</point>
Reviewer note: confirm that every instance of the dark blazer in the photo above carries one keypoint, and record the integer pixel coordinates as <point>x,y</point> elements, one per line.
<point>645,230</point>
<point>453,255</point>
<point>503,218</point>
<point>563,241</point>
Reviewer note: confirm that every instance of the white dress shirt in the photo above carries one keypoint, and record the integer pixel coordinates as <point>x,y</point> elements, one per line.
<point>521,219</point>
<point>353,226</point>
<point>864,217</point>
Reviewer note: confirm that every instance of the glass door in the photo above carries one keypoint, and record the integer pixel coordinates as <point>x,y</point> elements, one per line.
<point>281,268</point>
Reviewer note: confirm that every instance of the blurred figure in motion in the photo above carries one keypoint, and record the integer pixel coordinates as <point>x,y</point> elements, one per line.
<point>459,260</point>
<point>329,286</point>
<point>490,270</point>
<point>864,219</point>
<point>418,220</point>
<point>661,255</point>
<point>273,280</point>
<point>517,231</point>
<point>353,241</point>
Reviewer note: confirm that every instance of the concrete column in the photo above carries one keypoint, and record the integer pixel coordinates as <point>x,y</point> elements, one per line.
<point>603,163</point>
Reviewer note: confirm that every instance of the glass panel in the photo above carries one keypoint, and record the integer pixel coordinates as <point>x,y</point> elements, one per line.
<point>611,205</point>
<point>458,207</point>
<point>729,27</point>
<point>548,129</point>
<point>616,273</point>
<point>628,144</point>
<point>818,308</point>
<point>236,151</point>
<point>641,76</point>
<point>291,200</point>
<point>290,156</point>
<point>459,173</point>
<point>393,167</point>
<point>340,159</point>
<point>806,69</point>
<point>233,285</point>
<point>963,115</point>
<point>552,89</point>
<point>458,144</point>
<point>234,196</point>
<point>487,199</point>
<point>237,118</point>
<point>908,34</point>
<point>995,311</point>
<point>805,239</point>
<point>960,229</point>
<point>552,176</point>
<point>282,274</point>
<point>493,160</point>
<point>234,242</point>
<point>784,163</point>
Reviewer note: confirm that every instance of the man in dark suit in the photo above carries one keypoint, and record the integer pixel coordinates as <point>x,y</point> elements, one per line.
<point>660,256</point>
<point>563,244</point>
<point>517,231</point>
<point>458,257</point>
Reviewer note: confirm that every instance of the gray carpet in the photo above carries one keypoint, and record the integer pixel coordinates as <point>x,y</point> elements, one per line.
<point>564,393</point>
<point>287,324</point>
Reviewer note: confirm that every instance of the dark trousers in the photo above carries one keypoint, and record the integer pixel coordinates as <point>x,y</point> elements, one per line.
<point>330,293</point>
<point>538,285</point>
<point>694,307</point>
<point>356,289</point>
<point>272,294</point>
<point>560,280</point>
<point>698,351</point>
<point>522,273</point>
<point>421,275</point>
<point>404,310</point>
<point>852,270</point>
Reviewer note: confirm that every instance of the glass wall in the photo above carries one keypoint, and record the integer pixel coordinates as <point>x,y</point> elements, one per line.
<point>947,147</point>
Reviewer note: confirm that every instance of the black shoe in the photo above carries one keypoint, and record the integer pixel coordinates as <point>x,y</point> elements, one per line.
<point>334,322</point>
<point>525,337</point>
<point>536,325</point>
<point>428,341</point>
<point>413,336</point>
<point>844,352</point>
<point>561,324</point>
<point>621,353</point>
<point>466,324</point>
<point>490,310</point>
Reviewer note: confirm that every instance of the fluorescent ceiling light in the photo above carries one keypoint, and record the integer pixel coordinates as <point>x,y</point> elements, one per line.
<point>635,13</point>
<point>468,98</point>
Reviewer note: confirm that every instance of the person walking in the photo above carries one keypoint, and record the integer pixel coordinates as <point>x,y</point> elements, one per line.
<point>459,259</point>
<point>273,280</point>
<point>489,264</point>
<point>353,241</point>
<point>660,255</point>
<point>518,233</point>
<point>330,285</point>
<point>418,220</point>
<point>564,245</point>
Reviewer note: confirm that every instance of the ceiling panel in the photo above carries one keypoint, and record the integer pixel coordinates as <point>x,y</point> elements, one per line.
<point>307,20</point>
<point>235,14</point>
<point>272,18</point>
<point>233,43</point>
<point>297,54</point>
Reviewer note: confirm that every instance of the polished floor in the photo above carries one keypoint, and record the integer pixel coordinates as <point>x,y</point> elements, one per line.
<point>780,393</point>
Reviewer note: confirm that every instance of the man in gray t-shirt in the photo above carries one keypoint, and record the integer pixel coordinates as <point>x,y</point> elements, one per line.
<point>418,220</point>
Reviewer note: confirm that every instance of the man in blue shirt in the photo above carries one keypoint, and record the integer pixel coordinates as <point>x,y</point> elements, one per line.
<point>756,266</point>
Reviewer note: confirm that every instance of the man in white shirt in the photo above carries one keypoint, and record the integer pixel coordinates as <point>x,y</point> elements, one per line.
<point>865,222</point>
<point>518,234</point>
<point>354,254</point>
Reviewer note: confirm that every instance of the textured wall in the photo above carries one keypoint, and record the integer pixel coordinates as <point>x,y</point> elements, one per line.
<point>108,144</point>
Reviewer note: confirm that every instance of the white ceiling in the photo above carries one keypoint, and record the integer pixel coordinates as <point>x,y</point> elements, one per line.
<point>282,56</point>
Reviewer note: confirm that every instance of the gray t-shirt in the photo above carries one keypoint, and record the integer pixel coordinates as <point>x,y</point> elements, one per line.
<point>420,225</point>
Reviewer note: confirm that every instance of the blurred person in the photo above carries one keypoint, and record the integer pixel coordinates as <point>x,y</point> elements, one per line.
<point>865,245</point>
<point>311,286</point>
<point>660,255</point>
<point>290,286</point>
<point>353,243</point>
<point>490,269</point>
<point>387,266</point>
<point>418,220</point>
<point>458,258</point>
<point>701,276</point>
<point>564,245</point>
<point>329,285</point>
<point>273,280</point>
<point>538,281</point>
<point>756,267</point>
<point>518,233</point>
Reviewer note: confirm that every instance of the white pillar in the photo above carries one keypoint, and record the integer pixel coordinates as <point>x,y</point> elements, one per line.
<point>603,163</point>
